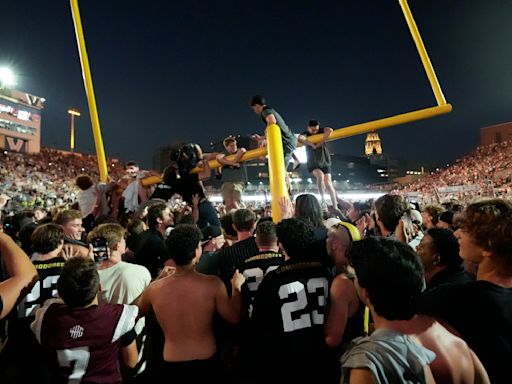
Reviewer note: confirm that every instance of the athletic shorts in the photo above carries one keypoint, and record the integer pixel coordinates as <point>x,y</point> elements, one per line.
<point>326,169</point>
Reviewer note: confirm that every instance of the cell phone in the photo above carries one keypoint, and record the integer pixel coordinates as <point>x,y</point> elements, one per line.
<point>408,226</point>
<point>406,217</point>
<point>99,248</point>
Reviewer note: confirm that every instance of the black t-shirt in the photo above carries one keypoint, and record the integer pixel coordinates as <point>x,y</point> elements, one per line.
<point>234,174</point>
<point>482,313</point>
<point>453,275</point>
<point>232,258</point>
<point>162,191</point>
<point>187,186</point>
<point>151,251</point>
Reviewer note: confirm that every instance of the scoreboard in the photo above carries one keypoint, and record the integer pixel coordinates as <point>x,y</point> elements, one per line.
<point>20,121</point>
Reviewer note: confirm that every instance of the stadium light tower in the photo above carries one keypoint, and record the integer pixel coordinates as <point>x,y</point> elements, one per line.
<point>73,113</point>
<point>7,78</point>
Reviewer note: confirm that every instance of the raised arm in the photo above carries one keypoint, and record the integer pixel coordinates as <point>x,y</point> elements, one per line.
<point>270,119</point>
<point>327,133</point>
<point>239,154</point>
<point>22,273</point>
<point>221,158</point>
<point>304,141</point>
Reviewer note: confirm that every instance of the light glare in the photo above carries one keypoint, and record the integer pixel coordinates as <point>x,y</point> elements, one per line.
<point>7,78</point>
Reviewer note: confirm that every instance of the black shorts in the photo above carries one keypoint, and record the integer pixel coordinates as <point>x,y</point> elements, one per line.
<point>326,169</point>
<point>194,371</point>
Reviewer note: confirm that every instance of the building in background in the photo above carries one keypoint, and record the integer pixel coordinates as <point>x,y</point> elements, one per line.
<point>495,134</point>
<point>20,121</point>
<point>372,145</point>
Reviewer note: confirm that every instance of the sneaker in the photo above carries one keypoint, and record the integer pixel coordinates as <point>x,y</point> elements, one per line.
<point>295,165</point>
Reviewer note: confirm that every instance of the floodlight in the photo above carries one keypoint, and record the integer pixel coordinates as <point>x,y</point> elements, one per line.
<point>7,79</point>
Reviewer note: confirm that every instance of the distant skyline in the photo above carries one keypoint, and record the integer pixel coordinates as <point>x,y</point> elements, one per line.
<point>185,70</point>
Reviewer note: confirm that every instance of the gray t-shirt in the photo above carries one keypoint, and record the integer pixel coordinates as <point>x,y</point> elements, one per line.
<point>391,356</point>
<point>317,157</point>
<point>289,139</point>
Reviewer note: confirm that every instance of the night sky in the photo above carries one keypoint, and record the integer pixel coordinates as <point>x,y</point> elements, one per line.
<point>165,71</point>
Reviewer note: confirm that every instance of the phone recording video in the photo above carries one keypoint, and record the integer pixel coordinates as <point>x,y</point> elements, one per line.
<point>99,248</point>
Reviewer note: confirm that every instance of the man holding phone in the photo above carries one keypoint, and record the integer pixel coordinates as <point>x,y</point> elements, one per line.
<point>122,282</point>
<point>100,249</point>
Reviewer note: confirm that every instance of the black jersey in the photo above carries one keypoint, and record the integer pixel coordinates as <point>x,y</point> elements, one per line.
<point>254,269</point>
<point>83,344</point>
<point>233,257</point>
<point>288,319</point>
<point>44,289</point>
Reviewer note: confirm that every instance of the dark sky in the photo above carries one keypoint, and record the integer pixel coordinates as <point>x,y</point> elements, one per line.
<point>184,70</point>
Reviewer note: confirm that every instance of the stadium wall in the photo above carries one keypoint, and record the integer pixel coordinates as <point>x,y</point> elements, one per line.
<point>495,134</point>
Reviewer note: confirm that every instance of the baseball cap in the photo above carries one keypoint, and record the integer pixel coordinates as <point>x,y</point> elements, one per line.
<point>210,232</point>
<point>352,230</point>
<point>331,221</point>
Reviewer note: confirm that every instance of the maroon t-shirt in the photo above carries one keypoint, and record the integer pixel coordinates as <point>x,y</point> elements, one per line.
<point>84,343</point>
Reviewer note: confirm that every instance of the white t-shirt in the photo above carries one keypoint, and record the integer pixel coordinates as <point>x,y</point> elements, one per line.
<point>87,200</point>
<point>123,283</point>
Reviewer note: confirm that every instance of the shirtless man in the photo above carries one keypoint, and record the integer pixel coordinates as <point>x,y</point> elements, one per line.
<point>345,311</point>
<point>184,304</point>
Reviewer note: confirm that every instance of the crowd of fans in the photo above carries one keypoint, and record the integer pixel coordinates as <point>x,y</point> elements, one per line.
<point>481,173</point>
<point>137,282</point>
<point>47,179</point>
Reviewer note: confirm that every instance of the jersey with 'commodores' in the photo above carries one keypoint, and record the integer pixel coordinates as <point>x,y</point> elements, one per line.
<point>45,288</point>
<point>83,344</point>
<point>254,270</point>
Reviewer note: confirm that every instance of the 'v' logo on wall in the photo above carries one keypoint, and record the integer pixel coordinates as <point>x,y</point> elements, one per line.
<point>15,145</point>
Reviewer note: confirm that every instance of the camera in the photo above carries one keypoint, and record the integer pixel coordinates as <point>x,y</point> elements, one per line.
<point>186,158</point>
<point>408,225</point>
<point>100,249</point>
